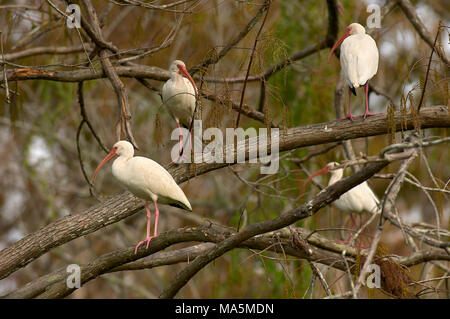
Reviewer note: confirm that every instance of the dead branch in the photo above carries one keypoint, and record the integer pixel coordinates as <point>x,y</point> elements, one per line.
<point>216,57</point>
<point>250,64</point>
<point>322,199</point>
<point>162,7</point>
<point>387,204</point>
<point>410,12</point>
<point>124,123</point>
<point>44,50</point>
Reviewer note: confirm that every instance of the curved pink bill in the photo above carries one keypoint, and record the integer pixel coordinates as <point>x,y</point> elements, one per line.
<point>105,160</point>
<point>186,74</point>
<point>338,43</point>
<point>319,172</point>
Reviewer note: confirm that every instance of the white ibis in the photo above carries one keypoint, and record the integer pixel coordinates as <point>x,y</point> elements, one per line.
<point>179,94</point>
<point>359,61</point>
<point>147,180</point>
<point>358,199</point>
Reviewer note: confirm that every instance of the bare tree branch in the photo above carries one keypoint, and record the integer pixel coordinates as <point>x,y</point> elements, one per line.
<point>325,197</point>
<point>410,12</point>
<point>387,204</point>
<point>125,205</point>
<point>215,58</point>
<point>124,123</point>
<point>44,50</point>
<point>250,64</point>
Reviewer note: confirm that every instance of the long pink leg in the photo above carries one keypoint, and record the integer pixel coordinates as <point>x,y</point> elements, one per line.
<point>367,113</point>
<point>351,232</point>
<point>361,245</point>
<point>349,116</point>
<point>155,231</point>
<point>148,238</point>
<point>181,137</point>
<point>180,154</point>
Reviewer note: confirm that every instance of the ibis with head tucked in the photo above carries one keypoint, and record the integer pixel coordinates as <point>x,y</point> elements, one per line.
<point>359,199</point>
<point>359,61</point>
<point>147,180</point>
<point>179,95</point>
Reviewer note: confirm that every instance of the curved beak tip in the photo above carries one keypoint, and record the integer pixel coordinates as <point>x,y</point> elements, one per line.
<point>319,172</point>
<point>103,162</point>
<point>329,57</point>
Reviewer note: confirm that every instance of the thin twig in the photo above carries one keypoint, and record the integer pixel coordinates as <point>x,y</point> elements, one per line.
<point>215,58</point>
<point>428,68</point>
<point>4,70</point>
<point>250,64</point>
<point>80,159</point>
<point>86,119</point>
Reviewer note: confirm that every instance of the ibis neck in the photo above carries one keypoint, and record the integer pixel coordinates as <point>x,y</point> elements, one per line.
<point>119,162</point>
<point>336,175</point>
<point>175,76</point>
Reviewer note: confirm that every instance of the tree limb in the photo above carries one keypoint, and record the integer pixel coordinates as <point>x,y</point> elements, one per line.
<point>410,12</point>
<point>215,58</point>
<point>121,206</point>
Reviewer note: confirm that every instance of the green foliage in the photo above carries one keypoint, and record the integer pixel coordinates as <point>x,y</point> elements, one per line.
<point>301,89</point>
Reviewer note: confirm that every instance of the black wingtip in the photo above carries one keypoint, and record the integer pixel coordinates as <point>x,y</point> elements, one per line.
<point>353,90</point>
<point>178,205</point>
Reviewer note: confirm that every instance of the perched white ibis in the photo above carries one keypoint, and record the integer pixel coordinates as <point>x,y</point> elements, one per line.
<point>147,180</point>
<point>357,200</point>
<point>179,94</point>
<point>359,61</point>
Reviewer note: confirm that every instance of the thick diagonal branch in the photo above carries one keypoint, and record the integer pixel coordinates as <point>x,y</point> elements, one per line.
<point>322,199</point>
<point>121,206</point>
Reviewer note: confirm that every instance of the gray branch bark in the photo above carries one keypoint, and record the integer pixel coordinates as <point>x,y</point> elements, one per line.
<point>121,206</point>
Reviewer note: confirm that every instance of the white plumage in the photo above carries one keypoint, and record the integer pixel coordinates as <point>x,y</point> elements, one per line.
<point>359,56</point>
<point>146,179</point>
<point>178,95</point>
<point>359,199</point>
<point>359,61</point>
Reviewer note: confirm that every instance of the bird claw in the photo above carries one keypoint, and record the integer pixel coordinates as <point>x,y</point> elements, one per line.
<point>370,114</point>
<point>349,117</point>
<point>142,242</point>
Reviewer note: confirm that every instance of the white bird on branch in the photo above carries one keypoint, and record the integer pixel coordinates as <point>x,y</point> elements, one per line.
<point>357,200</point>
<point>359,61</point>
<point>179,95</point>
<point>147,180</point>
